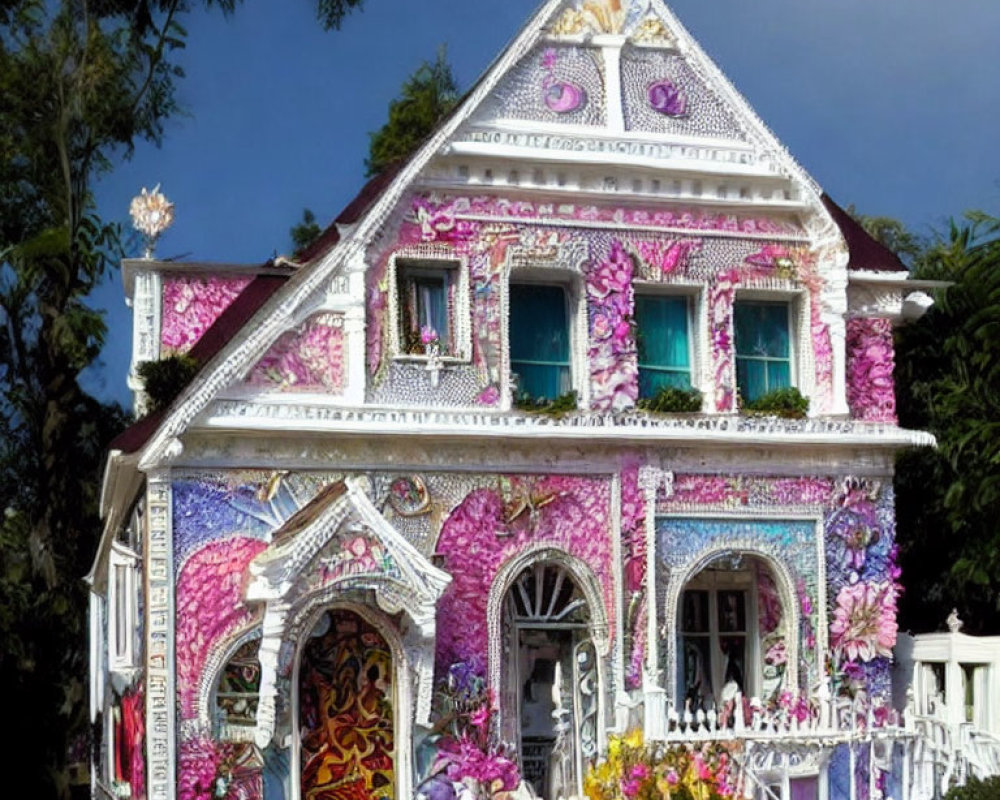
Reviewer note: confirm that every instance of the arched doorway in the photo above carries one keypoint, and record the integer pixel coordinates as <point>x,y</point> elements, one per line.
<point>732,633</point>
<point>346,703</point>
<point>551,681</point>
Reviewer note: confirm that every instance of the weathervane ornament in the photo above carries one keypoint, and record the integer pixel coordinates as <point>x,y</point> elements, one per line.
<point>151,215</point>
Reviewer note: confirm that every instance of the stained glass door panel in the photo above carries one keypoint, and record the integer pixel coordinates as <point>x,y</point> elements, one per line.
<point>346,711</point>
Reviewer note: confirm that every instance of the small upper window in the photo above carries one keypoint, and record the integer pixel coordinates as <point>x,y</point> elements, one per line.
<point>662,335</point>
<point>539,340</point>
<point>763,348</point>
<point>426,306</point>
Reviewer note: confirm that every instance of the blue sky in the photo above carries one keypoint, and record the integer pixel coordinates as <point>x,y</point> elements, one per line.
<point>891,105</point>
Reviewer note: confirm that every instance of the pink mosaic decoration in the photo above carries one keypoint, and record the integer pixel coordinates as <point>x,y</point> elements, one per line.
<point>477,540</point>
<point>190,305</point>
<point>311,358</point>
<point>687,219</point>
<point>720,316</point>
<point>633,517</point>
<point>870,362</point>
<point>209,608</point>
<point>662,258</point>
<point>736,491</point>
<point>614,368</point>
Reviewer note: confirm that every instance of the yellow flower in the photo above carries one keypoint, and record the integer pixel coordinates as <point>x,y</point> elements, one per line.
<point>634,739</point>
<point>614,748</point>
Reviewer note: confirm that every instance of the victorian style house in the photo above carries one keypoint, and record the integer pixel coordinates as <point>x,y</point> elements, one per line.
<point>497,475</point>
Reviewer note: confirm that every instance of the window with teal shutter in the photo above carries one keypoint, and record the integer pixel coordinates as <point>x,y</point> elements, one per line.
<point>763,348</point>
<point>539,340</point>
<point>664,347</point>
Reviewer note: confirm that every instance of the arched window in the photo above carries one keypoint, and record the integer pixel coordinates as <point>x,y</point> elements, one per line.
<point>731,633</point>
<point>238,692</point>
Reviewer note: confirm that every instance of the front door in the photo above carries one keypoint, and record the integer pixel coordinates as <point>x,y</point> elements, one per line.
<point>551,679</point>
<point>346,711</point>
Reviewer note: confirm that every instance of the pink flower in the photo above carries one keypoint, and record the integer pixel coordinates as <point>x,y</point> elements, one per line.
<point>640,772</point>
<point>864,622</point>
<point>480,716</point>
<point>672,778</point>
<point>428,334</point>
<point>630,788</point>
<point>776,654</point>
<point>488,396</point>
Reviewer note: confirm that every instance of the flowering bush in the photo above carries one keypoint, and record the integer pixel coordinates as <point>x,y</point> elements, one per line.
<point>470,752</point>
<point>634,770</point>
<point>206,768</point>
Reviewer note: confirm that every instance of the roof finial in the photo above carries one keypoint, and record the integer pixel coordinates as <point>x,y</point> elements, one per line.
<point>151,214</point>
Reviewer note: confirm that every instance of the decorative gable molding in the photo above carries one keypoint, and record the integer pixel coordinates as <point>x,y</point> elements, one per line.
<point>337,544</point>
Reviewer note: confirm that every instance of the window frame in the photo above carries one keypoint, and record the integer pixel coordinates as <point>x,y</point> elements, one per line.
<point>799,346</point>
<point>718,581</point>
<point>576,321</point>
<point>695,315</point>
<point>458,310</point>
<point>123,608</point>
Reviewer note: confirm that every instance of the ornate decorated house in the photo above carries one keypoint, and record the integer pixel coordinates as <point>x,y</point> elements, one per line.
<point>508,482</point>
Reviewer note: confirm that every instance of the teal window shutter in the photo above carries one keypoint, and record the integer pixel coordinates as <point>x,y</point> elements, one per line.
<point>663,340</point>
<point>539,340</point>
<point>763,348</point>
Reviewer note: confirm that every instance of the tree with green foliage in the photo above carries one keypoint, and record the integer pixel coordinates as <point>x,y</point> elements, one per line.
<point>948,379</point>
<point>305,232</point>
<point>80,84</point>
<point>948,383</point>
<point>426,98</point>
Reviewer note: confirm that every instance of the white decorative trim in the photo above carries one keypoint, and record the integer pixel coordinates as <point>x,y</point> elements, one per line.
<point>121,654</point>
<point>266,325</point>
<point>632,427</point>
<point>161,690</point>
<point>460,314</point>
<point>279,578</point>
<point>585,581</point>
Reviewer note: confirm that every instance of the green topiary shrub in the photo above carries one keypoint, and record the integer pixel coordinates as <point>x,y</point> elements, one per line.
<point>163,380</point>
<point>976,789</point>
<point>672,401</point>
<point>542,405</point>
<point>787,402</point>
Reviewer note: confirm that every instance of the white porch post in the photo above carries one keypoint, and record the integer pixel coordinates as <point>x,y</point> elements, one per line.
<point>161,692</point>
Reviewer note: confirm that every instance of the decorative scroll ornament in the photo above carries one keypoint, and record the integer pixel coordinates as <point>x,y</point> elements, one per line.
<point>652,31</point>
<point>564,97</point>
<point>151,214</point>
<point>409,497</point>
<point>667,99</point>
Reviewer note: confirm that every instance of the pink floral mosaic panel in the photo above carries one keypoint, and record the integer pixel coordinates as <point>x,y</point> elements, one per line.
<point>871,359</point>
<point>191,304</point>
<point>311,358</point>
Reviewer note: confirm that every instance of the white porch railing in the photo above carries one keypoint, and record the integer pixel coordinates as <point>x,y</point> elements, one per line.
<point>931,754</point>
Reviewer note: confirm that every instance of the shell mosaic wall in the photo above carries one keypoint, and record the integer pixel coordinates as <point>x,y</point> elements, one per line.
<point>496,238</point>
<point>821,549</point>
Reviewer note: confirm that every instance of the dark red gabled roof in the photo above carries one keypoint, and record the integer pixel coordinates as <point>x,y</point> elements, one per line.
<point>369,193</point>
<point>252,298</point>
<point>866,253</point>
